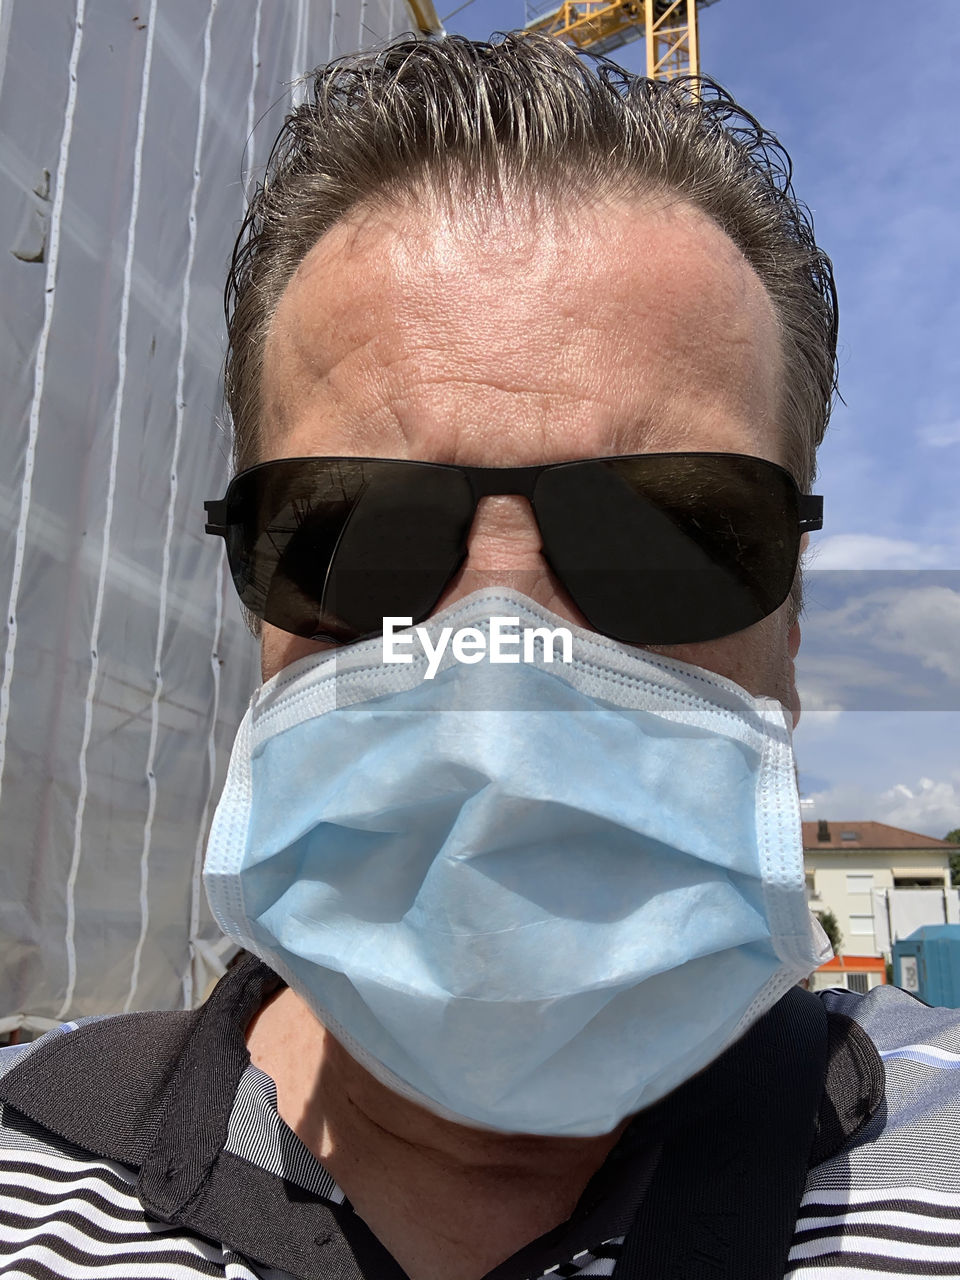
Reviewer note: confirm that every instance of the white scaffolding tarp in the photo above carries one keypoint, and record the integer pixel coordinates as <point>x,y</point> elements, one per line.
<point>125,665</point>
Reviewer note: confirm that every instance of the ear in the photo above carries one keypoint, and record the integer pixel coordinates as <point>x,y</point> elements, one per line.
<point>793,648</point>
<point>793,641</point>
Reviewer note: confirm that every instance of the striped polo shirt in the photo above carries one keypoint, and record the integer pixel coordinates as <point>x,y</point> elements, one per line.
<point>109,1184</point>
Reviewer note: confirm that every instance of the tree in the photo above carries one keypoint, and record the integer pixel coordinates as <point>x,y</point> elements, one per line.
<point>954,838</point>
<point>831,929</point>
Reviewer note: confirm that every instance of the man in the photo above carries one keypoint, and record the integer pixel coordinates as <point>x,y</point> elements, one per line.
<point>540,927</point>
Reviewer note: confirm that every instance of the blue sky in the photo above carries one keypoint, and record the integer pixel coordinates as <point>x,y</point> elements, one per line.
<point>865,102</point>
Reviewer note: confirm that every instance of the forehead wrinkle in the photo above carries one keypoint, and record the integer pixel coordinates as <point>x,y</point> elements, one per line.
<point>438,368</point>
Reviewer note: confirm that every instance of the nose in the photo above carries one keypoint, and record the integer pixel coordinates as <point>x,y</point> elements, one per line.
<point>505,549</point>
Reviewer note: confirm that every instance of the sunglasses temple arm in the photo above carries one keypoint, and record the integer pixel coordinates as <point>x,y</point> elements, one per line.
<point>216,511</point>
<point>811,512</point>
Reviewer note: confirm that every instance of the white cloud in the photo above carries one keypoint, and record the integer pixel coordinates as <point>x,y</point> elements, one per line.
<point>926,806</point>
<point>929,806</point>
<point>817,711</point>
<point>925,624</point>
<point>833,681</point>
<point>941,436</point>
<point>893,646</point>
<point>874,551</point>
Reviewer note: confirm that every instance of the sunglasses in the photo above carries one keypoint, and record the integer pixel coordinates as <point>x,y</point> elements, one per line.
<point>653,548</point>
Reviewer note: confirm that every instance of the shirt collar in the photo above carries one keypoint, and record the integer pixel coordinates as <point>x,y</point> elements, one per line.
<point>156,1091</point>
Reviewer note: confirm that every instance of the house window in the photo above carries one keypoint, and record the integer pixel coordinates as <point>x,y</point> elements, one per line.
<point>859,881</point>
<point>849,836</point>
<point>861,926</point>
<point>918,882</point>
<point>858,982</point>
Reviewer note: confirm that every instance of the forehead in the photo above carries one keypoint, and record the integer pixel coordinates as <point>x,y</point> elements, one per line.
<point>511,338</point>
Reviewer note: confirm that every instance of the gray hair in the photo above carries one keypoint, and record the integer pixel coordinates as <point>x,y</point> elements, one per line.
<point>459,118</point>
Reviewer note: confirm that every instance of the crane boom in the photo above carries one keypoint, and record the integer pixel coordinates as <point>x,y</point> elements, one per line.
<point>669,27</point>
<point>424,15</point>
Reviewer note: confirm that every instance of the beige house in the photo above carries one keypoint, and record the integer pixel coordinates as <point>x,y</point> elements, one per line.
<point>846,862</point>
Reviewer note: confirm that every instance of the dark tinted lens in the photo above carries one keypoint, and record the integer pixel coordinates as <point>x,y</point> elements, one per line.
<point>671,548</point>
<point>330,546</point>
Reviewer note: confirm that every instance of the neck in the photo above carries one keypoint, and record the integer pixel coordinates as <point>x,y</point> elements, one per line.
<point>333,1102</point>
<point>487,1194</point>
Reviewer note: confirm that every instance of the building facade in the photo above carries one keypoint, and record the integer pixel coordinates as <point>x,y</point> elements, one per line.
<point>867,874</point>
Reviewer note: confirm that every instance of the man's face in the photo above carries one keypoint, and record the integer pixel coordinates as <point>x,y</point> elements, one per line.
<point>509,341</point>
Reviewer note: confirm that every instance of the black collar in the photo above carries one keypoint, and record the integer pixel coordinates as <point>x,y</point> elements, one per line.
<point>154,1091</point>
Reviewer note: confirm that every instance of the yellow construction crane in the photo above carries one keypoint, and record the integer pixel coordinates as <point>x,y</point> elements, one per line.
<point>669,26</point>
<point>424,15</point>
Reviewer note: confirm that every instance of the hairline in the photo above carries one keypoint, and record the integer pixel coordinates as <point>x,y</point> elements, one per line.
<point>459,202</point>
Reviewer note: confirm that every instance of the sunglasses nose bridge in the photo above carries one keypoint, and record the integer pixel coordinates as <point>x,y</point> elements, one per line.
<point>491,482</point>
<point>503,482</point>
<point>505,546</point>
<point>504,543</point>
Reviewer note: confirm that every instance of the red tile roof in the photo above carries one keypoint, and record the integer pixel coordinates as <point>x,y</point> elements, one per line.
<point>855,964</point>
<point>870,835</point>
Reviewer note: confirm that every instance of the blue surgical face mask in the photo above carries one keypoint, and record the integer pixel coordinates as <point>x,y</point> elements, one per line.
<point>532,896</point>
